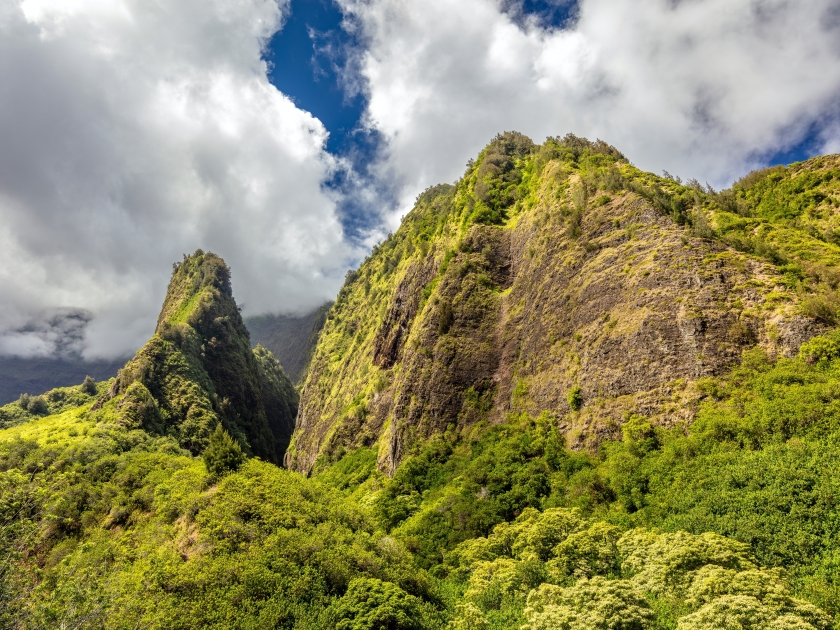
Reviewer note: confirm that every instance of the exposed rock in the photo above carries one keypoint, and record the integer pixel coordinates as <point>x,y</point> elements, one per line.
<point>591,283</point>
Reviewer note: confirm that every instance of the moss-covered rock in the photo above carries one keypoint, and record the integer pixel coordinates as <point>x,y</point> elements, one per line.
<point>199,370</point>
<point>560,279</point>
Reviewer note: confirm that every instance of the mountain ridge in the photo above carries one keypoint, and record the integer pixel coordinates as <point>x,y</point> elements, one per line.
<point>555,278</point>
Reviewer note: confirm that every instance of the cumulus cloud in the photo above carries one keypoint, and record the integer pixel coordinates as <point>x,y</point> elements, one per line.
<point>702,88</point>
<point>133,132</point>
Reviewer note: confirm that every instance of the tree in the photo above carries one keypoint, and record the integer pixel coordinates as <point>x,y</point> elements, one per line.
<point>371,604</point>
<point>38,406</point>
<point>223,454</point>
<point>89,385</point>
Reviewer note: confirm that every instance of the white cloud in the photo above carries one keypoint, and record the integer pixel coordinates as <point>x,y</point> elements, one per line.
<point>133,132</point>
<point>702,88</point>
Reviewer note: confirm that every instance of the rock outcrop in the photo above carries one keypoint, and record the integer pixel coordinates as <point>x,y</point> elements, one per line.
<point>554,280</point>
<point>198,370</point>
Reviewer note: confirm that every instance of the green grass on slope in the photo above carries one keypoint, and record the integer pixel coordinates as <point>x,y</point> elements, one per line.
<point>102,526</point>
<point>54,401</point>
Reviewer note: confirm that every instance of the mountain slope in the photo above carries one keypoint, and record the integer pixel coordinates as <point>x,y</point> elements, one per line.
<point>290,339</point>
<point>198,370</point>
<point>552,279</point>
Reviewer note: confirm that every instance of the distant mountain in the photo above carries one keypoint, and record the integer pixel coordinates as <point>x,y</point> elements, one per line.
<point>34,376</point>
<point>291,339</point>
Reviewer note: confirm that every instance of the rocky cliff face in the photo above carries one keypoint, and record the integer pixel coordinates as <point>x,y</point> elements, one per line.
<point>554,280</point>
<point>199,370</point>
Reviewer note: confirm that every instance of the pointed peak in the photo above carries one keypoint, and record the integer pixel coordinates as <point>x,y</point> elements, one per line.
<point>197,282</point>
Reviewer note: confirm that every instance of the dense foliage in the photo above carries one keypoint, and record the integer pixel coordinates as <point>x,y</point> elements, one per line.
<point>158,506</point>
<point>503,526</point>
<point>106,526</point>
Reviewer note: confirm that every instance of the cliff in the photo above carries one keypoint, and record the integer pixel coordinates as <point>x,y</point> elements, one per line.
<point>561,280</point>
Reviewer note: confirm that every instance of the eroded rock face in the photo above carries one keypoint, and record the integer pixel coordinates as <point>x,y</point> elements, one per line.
<point>448,367</point>
<point>610,299</point>
<point>631,312</point>
<point>390,338</point>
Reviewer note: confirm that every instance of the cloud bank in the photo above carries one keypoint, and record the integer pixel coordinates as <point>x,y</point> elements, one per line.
<point>702,88</point>
<point>134,132</point>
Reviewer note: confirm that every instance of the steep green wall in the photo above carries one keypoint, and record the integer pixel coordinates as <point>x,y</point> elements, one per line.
<point>560,279</point>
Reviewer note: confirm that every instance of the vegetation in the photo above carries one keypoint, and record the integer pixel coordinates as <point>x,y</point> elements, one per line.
<point>498,527</point>
<point>223,454</point>
<point>54,401</point>
<point>700,502</point>
<point>199,370</point>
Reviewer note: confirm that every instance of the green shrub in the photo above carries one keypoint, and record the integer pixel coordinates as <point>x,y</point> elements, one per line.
<point>574,398</point>
<point>596,604</point>
<point>371,604</point>
<point>37,406</point>
<point>822,348</point>
<point>223,454</point>
<point>468,616</point>
<point>88,386</point>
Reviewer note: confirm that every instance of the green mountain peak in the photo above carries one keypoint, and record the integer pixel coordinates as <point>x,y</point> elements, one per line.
<point>559,279</point>
<point>198,370</point>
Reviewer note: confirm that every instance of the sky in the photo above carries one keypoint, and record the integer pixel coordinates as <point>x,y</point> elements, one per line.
<point>289,136</point>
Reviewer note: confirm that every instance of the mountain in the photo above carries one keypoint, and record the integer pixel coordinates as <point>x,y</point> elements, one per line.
<point>20,375</point>
<point>565,394</point>
<point>290,339</point>
<point>561,280</point>
<point>199,370</point>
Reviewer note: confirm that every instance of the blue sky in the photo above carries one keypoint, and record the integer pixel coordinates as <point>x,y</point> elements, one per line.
<point>304,58</point>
